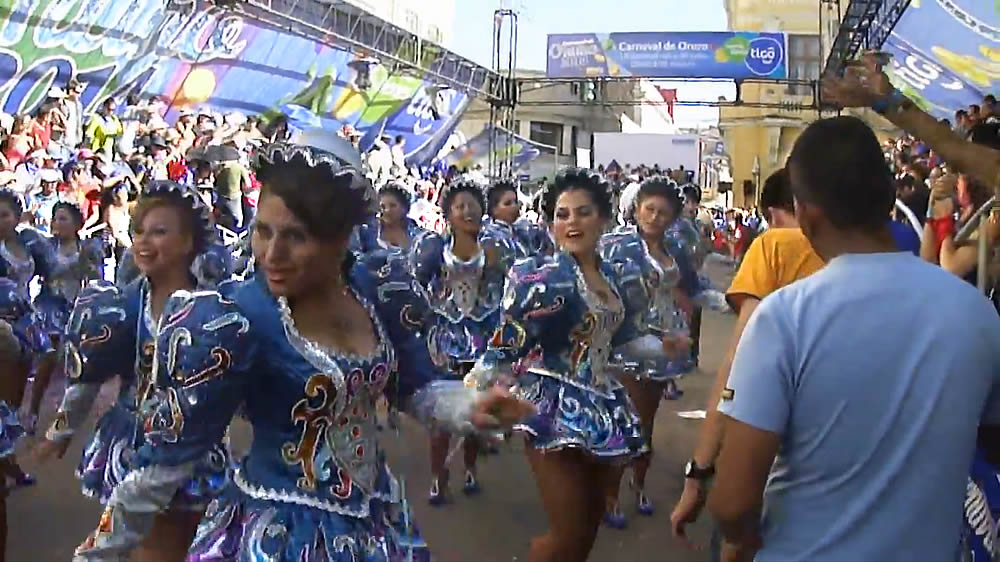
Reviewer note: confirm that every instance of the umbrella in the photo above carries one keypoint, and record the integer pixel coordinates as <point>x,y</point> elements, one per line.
<point>300,117</point>
<point>213,153</point>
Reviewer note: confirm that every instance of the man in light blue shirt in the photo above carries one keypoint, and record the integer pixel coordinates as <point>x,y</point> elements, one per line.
<point>855,394</point>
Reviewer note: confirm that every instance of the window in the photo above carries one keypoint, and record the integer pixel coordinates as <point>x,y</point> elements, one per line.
<point>550,134</point>
<point>411,21</point>
<point>805,62</point>
<point>434,33</point>
<point>517,126</point>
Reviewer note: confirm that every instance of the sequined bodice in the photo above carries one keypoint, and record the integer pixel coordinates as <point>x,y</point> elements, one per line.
<point>313,416</point>
<point>605,317</point>
<point>66,278</point>
<point>19,270</point>
<point>461,280</point>
<point>661,281</point>
<point>556,326</point>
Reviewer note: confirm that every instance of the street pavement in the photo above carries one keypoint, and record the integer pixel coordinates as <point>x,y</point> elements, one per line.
<point>47,521</point>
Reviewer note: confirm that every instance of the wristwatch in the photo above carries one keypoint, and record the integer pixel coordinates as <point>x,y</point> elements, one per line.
<point>692,470</point>
<point>894,102</point>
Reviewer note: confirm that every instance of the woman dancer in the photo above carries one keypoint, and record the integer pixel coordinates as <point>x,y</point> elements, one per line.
<point>669,282</point>
<point>308,345</point>
<point>505,213</point>
<point>563,318</point>
<point>15,362</point>
<point>463,272</point>
<point>13,367</point>
<point>24,255</point>
<point>74,263</point>
<point>112,331</point>
<point>393,229</point>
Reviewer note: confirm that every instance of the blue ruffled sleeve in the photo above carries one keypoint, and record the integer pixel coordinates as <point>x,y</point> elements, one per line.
<point>41,249</point>
<point>528,303</point>
<point>627,278</point>
<point>213,266</point>
<point>99,344</point>
<point>404,311</point>
<point>203,354</point>
<point>425,258</point>
<point>126,272</point>
<point>92,258</point>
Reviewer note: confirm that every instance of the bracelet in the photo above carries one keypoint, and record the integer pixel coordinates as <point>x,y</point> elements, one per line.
<point>883,105</point>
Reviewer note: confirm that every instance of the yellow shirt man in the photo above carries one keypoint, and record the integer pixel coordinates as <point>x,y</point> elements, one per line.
<point>776,258</point>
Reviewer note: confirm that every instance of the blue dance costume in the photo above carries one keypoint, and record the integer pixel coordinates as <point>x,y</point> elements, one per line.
<point>367,238</point>
<point>558,337</point>
<point>14,343</point>
<point>111,332</point>
<point>315,485</point>
<point>626,246</point>
<point>464,295</point>
<point>69,274</point>
<point>530,238</point>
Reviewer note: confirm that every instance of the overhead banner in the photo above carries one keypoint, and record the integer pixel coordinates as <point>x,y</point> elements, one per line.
<point>477,149</point>
<point>946,53</point>
<point>195,55</point>
<point>735,55</point>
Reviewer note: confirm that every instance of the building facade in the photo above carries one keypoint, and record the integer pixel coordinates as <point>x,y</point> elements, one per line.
<point>432,20</point>
<point>759,139</point>
<point>566,128</point>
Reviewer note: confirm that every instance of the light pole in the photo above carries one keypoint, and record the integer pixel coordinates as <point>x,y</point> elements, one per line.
<point>756,179</point>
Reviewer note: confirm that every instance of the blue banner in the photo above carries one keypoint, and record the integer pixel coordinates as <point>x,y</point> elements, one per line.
<point>732,55</point>
<point>477,149</point>
<point>946,53</point>
<point>194,54</point>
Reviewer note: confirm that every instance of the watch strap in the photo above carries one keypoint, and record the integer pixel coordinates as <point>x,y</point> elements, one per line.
<point>882,106</point>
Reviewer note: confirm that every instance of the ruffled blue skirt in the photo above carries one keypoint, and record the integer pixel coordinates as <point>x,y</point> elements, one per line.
<point>982,511</point>
<point>52,314</point>
<point>238,528</point>
<point>110,456</point>
<point>569,417</point>
<point>10,430</point>
<point>32,335</point>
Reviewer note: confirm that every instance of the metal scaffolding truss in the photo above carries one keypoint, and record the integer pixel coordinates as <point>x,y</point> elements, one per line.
<point>865,24</point>
<point>338,23</point>
<point>792,103</point>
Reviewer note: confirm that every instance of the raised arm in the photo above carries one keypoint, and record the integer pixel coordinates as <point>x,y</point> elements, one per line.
<point>99,343</point>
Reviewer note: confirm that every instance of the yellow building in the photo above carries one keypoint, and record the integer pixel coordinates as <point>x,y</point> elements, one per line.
<point>758,139</point>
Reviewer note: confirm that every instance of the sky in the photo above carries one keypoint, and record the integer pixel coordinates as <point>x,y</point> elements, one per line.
<point>473,30</point>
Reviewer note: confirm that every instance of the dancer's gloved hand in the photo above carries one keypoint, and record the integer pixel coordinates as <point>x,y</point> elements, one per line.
<point>47,449</point>
<point>497,408</point>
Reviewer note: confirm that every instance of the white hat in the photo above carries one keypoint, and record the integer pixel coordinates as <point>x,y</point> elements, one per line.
<point>56,93</point>
<point>49,175</point>
<point>6,121</point>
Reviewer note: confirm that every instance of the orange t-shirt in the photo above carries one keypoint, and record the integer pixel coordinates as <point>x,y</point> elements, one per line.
<point>778,257</point>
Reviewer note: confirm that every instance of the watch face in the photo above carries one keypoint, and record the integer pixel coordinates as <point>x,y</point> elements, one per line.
<point>688,468</point>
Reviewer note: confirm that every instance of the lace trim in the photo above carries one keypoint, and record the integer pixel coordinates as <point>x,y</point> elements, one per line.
<point>613,310</point>
<point>326,359</point>
<point>361,512</point>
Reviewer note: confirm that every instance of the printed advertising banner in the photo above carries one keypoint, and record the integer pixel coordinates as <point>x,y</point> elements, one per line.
<point>477,149</point>
<point>732,55</point>
<point>946,53</point>
<point>195,55</point>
